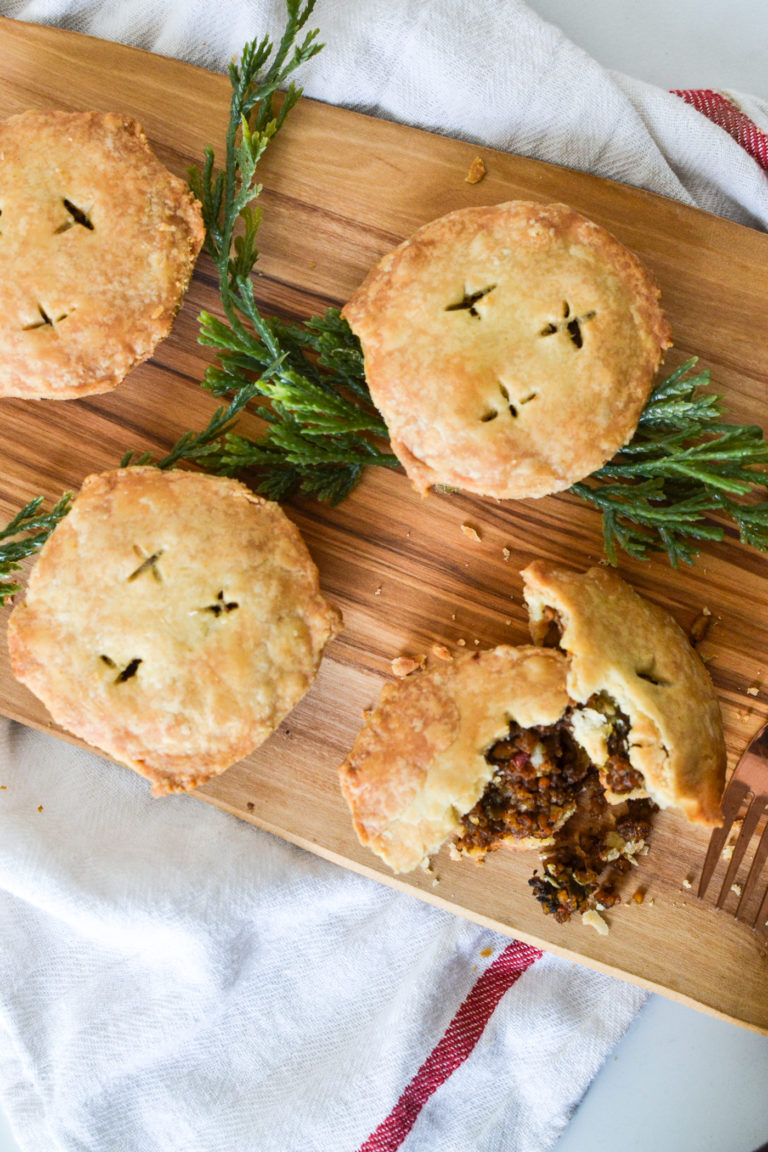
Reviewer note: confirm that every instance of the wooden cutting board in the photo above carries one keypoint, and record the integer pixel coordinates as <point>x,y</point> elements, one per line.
<point>340,190</point>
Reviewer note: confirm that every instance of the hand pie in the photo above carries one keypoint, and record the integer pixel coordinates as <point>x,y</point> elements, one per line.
<point>569,755</point>
<point>172,619</point>
<point>99,240</point>
<point>509,348</point>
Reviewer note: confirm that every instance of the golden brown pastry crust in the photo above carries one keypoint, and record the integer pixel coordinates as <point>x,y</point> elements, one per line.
<point>418,764</point>
<point>620,643</point>
<point>172,619</point>
<point>98,242</point>
<point>510,348</point>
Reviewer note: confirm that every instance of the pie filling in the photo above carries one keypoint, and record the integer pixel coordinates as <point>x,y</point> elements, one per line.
<point>617,774</point>
<point>592,854</point>
<point>538,775</point>
<point>545,788</point>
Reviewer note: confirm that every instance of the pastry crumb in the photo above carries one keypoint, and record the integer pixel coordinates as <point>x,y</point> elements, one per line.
<point>378,591</point>
<point>39,807</point>
<point>461,642</point>
<point>506,553</point>
<point>687,882</point>
<point>639,896</point>
<point>733,836</point>
<point>594,920</point>
<point>473,533</point>
<point>700,627</point>
<point>441,652</point>
<point>736,889</point>
<point>753,690</point>
<point>476,171</point>
<point>404,665</point>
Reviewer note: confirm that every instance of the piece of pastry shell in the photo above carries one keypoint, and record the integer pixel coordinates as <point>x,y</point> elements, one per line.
<point>623,647</point>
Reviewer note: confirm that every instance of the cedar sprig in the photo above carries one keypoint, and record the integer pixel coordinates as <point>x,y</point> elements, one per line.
<point>320,427</point>
<point>684,466</point>
<point>228,195</point>
<point>200,446</point>
<point>23,535</point>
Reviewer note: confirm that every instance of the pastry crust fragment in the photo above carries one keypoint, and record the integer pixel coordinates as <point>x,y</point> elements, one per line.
<point>509,348</point>
<point>419,764</point>
<point>622,647</point>
<point>98,242</point>
<point>172,619</point>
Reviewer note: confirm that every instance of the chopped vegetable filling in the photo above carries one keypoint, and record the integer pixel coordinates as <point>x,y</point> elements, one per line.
<point>545,788</point>
<point>539,772</point>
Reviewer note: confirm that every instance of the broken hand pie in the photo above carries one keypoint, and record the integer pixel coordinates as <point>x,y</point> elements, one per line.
<point>421,762</point>
<point>509,348</point>
<point>172,619</point>
<point>567,749</point>
<point>98,243</point>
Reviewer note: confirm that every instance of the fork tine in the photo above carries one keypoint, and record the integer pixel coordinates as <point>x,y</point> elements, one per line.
<point>732,801</point>
<point>761,920</point>
<point>761,855</point>
<point>751,820</point>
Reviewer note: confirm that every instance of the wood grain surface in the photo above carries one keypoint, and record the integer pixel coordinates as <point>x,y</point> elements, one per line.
<point>340,189</point>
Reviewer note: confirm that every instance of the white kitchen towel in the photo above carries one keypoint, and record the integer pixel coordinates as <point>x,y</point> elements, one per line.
<point>174,980</point>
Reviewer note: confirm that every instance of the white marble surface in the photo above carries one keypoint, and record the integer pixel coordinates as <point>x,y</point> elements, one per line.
<point>672,43</point>
<point>680,1081</point>
<point>7,1142</point>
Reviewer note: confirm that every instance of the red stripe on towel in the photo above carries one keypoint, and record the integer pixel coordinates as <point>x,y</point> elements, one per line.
<point>727,115</point>
<point>457,1043</point>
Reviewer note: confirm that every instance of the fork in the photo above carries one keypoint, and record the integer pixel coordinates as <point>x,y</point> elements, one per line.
<point>748,783</point>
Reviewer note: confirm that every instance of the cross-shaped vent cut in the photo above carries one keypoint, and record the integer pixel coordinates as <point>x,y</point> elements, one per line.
<point>569,324</point>
<point>650,675</point>
<point>77,216</point>
<point>220,605</point>
<point>468,301</point>
<point>45,320</point>
<point>126,673</point>
<point>492,412</point>
<point>148,566</point>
